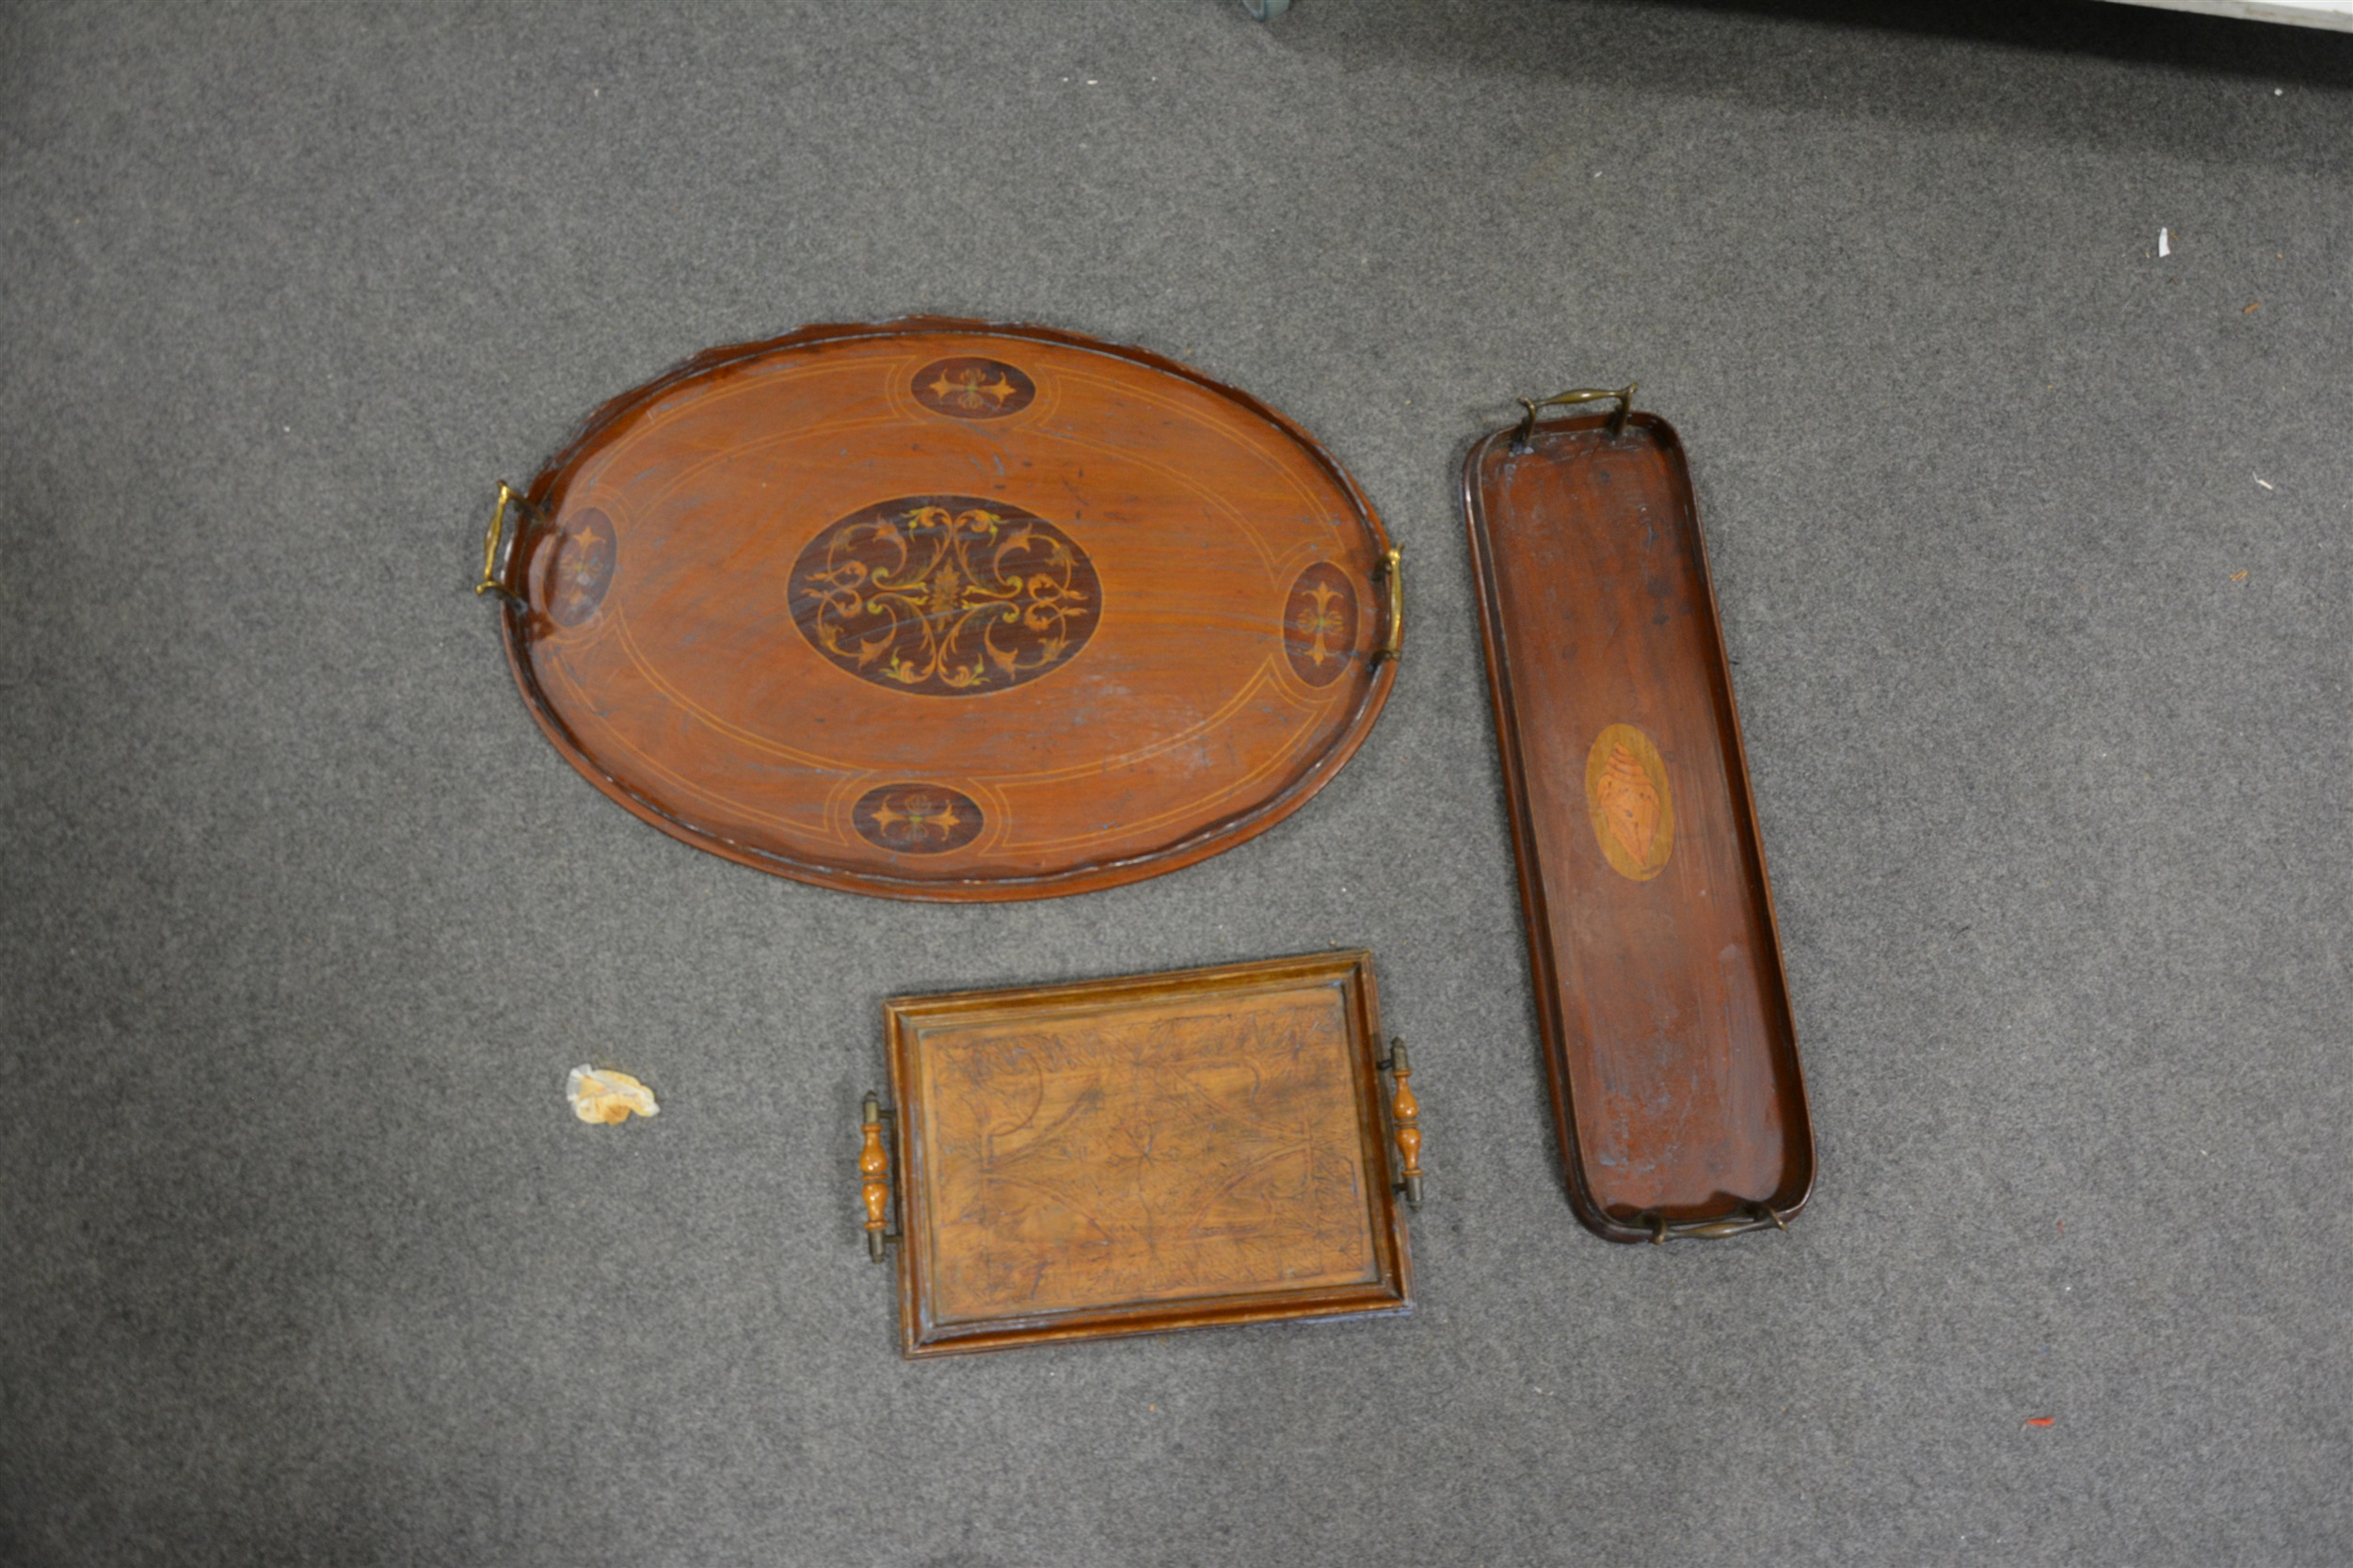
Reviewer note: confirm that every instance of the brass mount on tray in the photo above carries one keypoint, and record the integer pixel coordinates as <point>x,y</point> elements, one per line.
<point>1522,444</point>
<point>509,497</point>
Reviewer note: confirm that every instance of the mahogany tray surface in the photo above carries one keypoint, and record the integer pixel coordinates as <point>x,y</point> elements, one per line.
<point>944,610</point>
<point>1676,1089</point>
<point>1130,1156</point>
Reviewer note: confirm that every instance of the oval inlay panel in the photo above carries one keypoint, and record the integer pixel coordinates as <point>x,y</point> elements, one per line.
<point>945,595</point>
<point>1319,624</point>
<point>971,387</point>
<point>916,819</point>
<point>1626,795</point>
<point>581,568</point>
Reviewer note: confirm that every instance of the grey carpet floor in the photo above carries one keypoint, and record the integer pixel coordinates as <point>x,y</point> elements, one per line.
<point>2032,549</point>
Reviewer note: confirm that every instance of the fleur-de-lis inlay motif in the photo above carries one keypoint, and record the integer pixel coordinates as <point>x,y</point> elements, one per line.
<point>925,817</point>
<point>581,568</point>
<point>972,387</point>
<point>1319,624</point>
<point>916,819</point>
<point>967,391</point>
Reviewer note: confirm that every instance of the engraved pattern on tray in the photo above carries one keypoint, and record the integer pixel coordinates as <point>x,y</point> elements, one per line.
<point>1150,1156</point>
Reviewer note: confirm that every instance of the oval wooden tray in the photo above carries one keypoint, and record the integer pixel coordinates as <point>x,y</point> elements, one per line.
<point>1676,1089</point>
<point>944,610</point>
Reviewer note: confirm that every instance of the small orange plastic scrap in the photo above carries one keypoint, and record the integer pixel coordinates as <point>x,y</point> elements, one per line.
<point>2040,1420</point>
<point>600,1095</point>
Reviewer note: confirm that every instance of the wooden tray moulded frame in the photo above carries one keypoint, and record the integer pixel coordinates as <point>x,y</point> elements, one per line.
<point>1071,1010</point>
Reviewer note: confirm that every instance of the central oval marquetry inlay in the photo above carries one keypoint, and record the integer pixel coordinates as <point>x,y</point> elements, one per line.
<point>1626,795</point>
<point>945,595</point>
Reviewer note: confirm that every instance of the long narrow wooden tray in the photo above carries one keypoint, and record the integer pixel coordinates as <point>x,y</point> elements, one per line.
<point>1676,1089</point>
<point>1155,1152</point>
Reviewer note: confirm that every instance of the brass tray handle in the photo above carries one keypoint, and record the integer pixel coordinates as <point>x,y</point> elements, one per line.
<point>1754,1216</point>
<point>1405,1114</point>
<point>508,496</point>
<point>1392,572</point>
<point>1521,442</point>
<point>873,1170</point>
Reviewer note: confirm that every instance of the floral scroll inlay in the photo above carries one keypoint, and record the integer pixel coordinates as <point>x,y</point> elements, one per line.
<point>945,596</point>
<point>1626,795</point>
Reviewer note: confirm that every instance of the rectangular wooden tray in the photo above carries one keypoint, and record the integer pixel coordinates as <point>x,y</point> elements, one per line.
<point>1155,1152</point>
<point>1676,1089</point>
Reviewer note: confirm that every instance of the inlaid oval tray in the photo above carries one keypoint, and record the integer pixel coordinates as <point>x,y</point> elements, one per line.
<point>944,610</point>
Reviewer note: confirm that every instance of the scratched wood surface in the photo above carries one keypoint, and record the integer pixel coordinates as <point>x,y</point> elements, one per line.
<point>1162,1151</point>
<point>1677,1086</point>
<point>949,611</point>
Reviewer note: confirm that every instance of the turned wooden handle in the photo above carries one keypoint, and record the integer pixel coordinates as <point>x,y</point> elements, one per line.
<point>874,1169</point>
<point>1405,1113</point>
